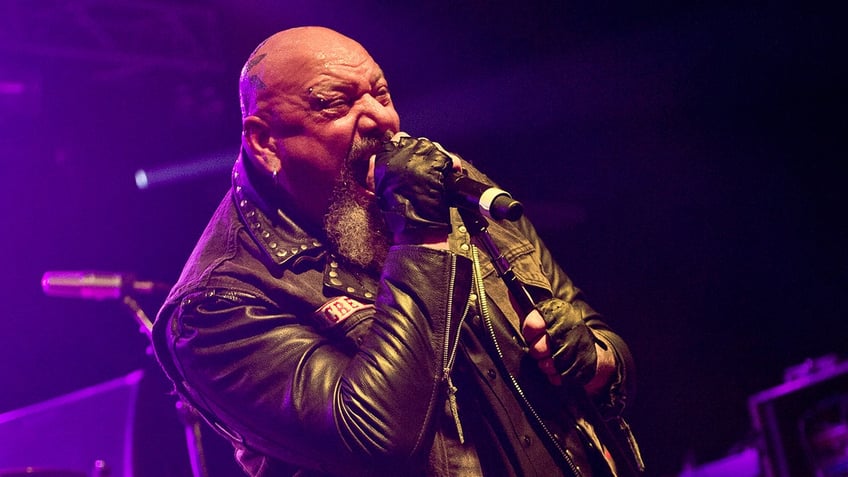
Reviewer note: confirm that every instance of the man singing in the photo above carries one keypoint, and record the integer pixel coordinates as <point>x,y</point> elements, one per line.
<point>338,317</point>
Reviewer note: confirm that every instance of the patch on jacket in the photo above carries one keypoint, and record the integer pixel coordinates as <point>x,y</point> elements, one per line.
<point>337,310</point>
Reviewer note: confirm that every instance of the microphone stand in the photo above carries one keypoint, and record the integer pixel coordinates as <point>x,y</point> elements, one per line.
<point>477,227</point>
<point>145,326</point>
<point>192,424</point>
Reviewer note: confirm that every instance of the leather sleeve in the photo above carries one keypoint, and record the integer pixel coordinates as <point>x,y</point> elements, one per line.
<point>622,385</point>
<point>561,286</point>
<point>289,392</point>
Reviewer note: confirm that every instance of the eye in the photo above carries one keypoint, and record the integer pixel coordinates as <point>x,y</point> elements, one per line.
<point>320,102</point>
<point>336,105</point>
<point>381,94</point>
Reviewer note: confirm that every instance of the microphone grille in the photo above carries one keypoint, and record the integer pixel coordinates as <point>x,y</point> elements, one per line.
<point>82,284</point>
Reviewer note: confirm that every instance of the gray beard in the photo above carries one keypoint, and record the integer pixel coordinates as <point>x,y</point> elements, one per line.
<point>354,222</point>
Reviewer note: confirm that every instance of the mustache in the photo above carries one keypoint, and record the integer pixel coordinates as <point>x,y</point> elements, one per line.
<point>357,158</point>
<point>362,148</point>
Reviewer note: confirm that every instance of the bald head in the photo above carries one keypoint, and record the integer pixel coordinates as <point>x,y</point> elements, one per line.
<point>270,69</point>
<point>313,100</point>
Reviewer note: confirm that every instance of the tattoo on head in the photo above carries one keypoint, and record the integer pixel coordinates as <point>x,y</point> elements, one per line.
<point>254,61</point>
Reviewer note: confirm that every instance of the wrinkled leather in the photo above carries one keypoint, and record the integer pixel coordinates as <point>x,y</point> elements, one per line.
<point>367,395</point>
<point>409,183</point>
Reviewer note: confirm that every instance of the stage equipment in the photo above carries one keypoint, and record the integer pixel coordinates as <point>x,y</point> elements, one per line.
<point>802,424</point>
<point>150,432</point>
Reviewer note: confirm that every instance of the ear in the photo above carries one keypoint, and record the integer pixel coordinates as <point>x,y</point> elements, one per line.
<point>259,144</point>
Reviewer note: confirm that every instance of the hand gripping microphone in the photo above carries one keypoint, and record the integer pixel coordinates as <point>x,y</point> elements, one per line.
<point>97,285</point>
<point>494,203</point>
<point>466,193</point>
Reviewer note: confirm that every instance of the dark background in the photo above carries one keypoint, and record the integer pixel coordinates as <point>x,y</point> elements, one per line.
<point>682,159</point>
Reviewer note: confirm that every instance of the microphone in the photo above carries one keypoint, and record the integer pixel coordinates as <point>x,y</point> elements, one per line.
<point>497,204</point>
<point>91,285</point>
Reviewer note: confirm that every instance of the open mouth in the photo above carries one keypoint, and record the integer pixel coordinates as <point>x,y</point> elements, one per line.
<point>361,162</point>
<point>369,176</point>
<point>361,159</point>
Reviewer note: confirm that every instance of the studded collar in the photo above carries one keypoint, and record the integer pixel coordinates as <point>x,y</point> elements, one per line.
<point>282,239</point>
<point>286,243</point>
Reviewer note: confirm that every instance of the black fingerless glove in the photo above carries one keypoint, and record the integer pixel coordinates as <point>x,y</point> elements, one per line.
<point>571,340</point>
<point>409,183</point>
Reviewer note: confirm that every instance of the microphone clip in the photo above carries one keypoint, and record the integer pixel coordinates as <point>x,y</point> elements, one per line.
<point>494,203</point>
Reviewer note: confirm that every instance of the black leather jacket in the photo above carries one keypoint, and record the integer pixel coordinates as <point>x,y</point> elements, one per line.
<point>311,365</point>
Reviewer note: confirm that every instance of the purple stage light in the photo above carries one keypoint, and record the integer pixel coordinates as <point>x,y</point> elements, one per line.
<point>219,163</point>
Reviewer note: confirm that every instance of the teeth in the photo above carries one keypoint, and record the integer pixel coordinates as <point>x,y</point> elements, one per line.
<point>369,177</point>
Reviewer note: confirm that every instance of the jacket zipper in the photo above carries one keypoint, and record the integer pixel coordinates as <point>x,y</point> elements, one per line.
<point>537,419</point>
<point>449,354</point>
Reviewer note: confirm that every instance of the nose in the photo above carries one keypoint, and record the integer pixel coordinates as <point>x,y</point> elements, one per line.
<point>376,118</point>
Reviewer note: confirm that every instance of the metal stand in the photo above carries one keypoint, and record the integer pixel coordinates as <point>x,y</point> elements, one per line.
<point>191,421</point>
